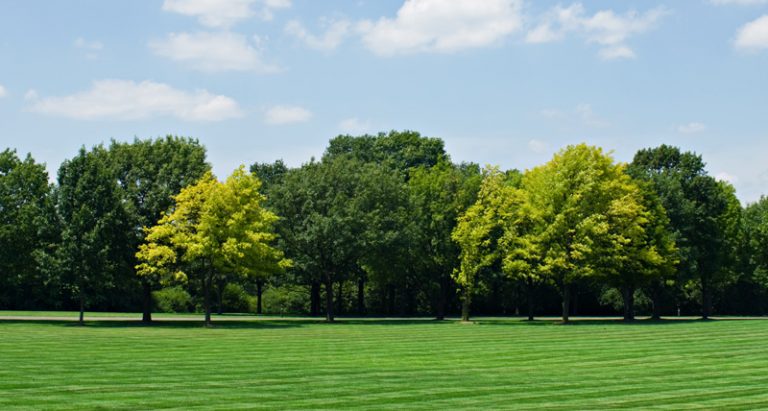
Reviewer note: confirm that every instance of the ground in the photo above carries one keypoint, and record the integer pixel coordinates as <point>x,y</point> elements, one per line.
<point>272,363</point>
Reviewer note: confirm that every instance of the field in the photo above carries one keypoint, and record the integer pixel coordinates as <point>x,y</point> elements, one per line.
<point>411,364</point>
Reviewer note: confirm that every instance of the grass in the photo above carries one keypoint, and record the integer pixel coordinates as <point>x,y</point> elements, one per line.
<point>359,364</point>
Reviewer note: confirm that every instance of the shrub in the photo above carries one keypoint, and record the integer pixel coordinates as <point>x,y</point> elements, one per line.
<point>172,300</point>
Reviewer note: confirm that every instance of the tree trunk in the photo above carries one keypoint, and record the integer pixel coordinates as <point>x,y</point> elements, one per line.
<point>441,299</point>
<point>328,298</point>
<point>146,314</point>
<point>705,298</point>
<point>390,299</point>
<point>82,307</point>
<point>530,289</point>
<point>259,291</point>
<point>465,304</point>
<point>361,296</point>
<point>314,297</point>
<point>207,301</point>
<point>628,295</point>
<point>566,289</point>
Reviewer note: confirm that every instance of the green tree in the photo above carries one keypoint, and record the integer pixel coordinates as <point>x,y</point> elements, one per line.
<point>478,233</point>
<point>93,221</point>
<point>438,196</point>
<point>336,213</point>
<point>28,227</point>
<point>214,231</point>
<point>703,216</point>
<point>149,173</point>
<point>587,220</point>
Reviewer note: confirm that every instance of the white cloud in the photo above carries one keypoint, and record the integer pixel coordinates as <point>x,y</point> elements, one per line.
<point>605,28</point>
<point>691,128</point>
<point>354,126</point>
<point>213,52</point>
<point>723,176</point>
<point>335,32</point>
<point>224,13</point>
<point>538,146</point>
<point>128,100</point>
<point>753,35</point>
<point>30,95</point>
<point>442,26</point>
<point>3,91</point>
<point>588,116</point>
<point>618,52</point>
<point>582,114</point>
<point>94,45</point>
<point>279,115</point>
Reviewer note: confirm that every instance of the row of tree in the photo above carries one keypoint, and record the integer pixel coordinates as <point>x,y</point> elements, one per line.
<point>384,225</point>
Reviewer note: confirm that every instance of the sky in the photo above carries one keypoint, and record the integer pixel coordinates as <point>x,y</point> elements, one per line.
<point>502,82</point>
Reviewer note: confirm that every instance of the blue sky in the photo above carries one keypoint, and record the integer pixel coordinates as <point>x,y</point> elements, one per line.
<point>505,82</point>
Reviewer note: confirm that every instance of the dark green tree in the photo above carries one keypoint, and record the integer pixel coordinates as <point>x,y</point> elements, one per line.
<point>28,227</point>
<point>94,226</point>
<point>703,216</point>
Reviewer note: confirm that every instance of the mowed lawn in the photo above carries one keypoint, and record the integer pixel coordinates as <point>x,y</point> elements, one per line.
<point>374,364</point>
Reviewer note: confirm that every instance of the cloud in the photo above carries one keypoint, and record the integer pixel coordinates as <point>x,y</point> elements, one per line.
<point>753,35</point>
<point>94,45</point>
<point>582,113</point>
<point>31,95</point>
<point>335,32</point>
<point>3,91</point>
<point>691,128</point>
<point>354,126</point>
<point>224,13</point>
<point>441,26</point>
<point>538,146</point>
<point>609,30</point>
<point>588,116</point>
<point>723,176</point>
<point>213,52</point>
<point>128,100</point>
<point>280,115</point>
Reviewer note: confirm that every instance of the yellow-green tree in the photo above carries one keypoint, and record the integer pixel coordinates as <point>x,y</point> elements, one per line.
<point>214,231</point>
<point>478,232</point>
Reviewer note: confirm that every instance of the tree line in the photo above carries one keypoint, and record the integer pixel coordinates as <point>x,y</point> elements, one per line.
<point>381,224</point>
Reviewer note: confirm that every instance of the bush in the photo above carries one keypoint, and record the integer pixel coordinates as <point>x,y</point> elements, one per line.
<point>235,299</point>
<point>285,300</point>
<point>172,300</point>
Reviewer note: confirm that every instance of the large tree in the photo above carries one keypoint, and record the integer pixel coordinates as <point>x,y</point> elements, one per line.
<point>27,229</point>
<point>93,226</point>
<point>438,196</point>
<point>149,173</point>
<point>337,214</point>
<point>214,231</point>
<point>588,220</point>
<point>703,216</point>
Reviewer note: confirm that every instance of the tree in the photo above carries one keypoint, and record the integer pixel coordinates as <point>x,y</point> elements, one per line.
<point>400,150</point>
<point>150,173</point>
<point>438,196</point>
<point>28,227</point>
<point>586,219</point>
<point>703,215</point>
<point>214,230</point>
<point>478,233</point>
<point>93,222</point>
<point>337,213</point>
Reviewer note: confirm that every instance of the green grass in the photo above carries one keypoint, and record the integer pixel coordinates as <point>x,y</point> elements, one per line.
<point>295,364</point>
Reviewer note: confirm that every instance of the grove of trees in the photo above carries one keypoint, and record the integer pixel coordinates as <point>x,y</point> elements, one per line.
<point>381,225</point>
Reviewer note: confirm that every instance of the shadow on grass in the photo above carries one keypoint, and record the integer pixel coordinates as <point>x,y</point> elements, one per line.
<point>276,323</point>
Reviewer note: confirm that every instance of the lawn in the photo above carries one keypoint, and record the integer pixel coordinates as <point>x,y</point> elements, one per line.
<point>295,363</point>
